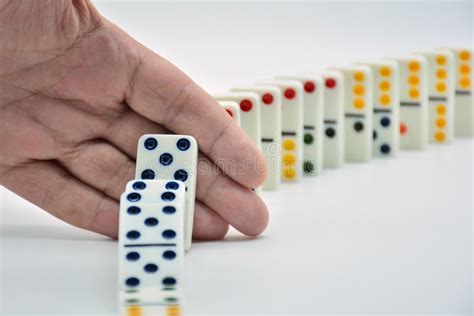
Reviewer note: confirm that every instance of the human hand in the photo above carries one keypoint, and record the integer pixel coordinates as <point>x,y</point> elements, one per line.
<point>76,93</point>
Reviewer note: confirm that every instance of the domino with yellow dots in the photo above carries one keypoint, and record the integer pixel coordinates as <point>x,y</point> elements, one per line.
<point>232,108</point>
<point>148,303</point>
<point>313,109</point>
<point>440,95</point>
<point>270,124</point>
<point>358,112</point>
<point>386,117</point>
<point>413,87</point>
<point>464,91</point>
<point>333,136</point>
<point>291,128</point>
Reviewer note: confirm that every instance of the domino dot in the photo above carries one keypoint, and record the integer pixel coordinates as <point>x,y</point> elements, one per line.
<point>181,175</point>
<point>414,80</point>
<point>133,210</point>
<point>289,144</point>
<point>183,144</point>
<point>464,69</point>
<point>289,172</point>
<point>414,93</point>
<point>464,55</point>
<point>139,185</point>
<point>151,221</point>
<point>465,82</point>
<point>359,103</point>
<point>385,71</point>
<point>289,159</point>
<point>441,87</point>
<point>172,185</point>
<point>441,74</point>
<point>169,210</point>
<point>150,268</point>
<point>267,98</point>
<point>148,174</point>
<point>374,134</point>
<point>308,167</point>
<point>309,87</point>
<point>414,66</point>
<point>166,159</point>
<point>133,234</point>
<point>246,105</point>
<point>330,83</point>
<point>441,60</point>
<point>290,93</point>
<point>131,309</point>
<point>359,126</point>
<point>134,197</point>
<point>169,254</point>
<point>132,282</point>
<point>358,89</point>
<point>384,85</point>
<point>330,132</point>
<point>441,109</point>
<point>385,99</point>
<point>133,256</point>
<point>168,234</point>
<point>359,76</point>
<point>441,122</point>
<point>385,122</point>
<point>229,112</point>
<point>308,139</point>
<point>151,143</point>
<point>440,137</point>
<point>173,311</point>
<point>169,281</point>
<point>168,196</point>
<point>385,149</point>
<point>403,128</point>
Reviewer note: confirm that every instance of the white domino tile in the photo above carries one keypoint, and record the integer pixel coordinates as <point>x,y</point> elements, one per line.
<point>291,128</point>
<point>232,108</point>
<point>413,86</point>
<point>164,157</point>
<point>386,113</point>
<point>270,124</point>
<point>313,117</point>
<point>333,136</point>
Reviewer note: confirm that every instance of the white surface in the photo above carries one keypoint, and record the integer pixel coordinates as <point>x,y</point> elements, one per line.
<point>388,236</point>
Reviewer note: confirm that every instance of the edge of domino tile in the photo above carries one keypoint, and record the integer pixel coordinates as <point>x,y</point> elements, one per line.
<point>184,312</point>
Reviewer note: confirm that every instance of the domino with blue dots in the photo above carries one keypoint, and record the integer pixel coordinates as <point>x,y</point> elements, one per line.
<point>171,157</point>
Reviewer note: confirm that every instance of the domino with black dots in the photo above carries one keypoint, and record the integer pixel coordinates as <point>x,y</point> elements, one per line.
<point>165,157</point>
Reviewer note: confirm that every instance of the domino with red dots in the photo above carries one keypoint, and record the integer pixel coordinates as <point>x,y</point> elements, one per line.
<point>413,86</point>
<point>232,108</point>
<point>358,112</point>
<point>333,137</point>
<point>313,110</point>
<point>440,95</point>
<point>386,115</point>
<point>464,92</point>
<point>291,128</point>
<point>270,124</point>
<point>249,104</point>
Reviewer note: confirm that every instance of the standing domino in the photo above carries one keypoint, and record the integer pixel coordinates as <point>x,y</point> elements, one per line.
<point>333,141</point>
<point>358,112</point>
<point>291,127</point>
<point>413,72</point>
<point>440,95</point>
<point>386,100</point>
<point>464,90</point>
<point>313,109</point>
<point>249,104</point>
<point>270,123</point>
<point>232,108</point>
<point>171,157</point>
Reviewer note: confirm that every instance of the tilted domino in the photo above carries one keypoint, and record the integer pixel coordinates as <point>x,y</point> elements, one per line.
<point>232,108</point>
<point>164,157</point>
<point>270,128</point>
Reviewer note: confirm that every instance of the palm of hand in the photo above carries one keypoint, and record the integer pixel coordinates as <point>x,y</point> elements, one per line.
<point>78,93</point>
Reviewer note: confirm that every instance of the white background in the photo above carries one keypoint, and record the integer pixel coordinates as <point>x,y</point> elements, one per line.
<point>392,236</point>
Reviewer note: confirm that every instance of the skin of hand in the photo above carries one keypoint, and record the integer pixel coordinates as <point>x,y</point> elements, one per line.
<point>76,93</point>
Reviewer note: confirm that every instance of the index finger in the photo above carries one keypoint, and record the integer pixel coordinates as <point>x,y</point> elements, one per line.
<point>162,93</point>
